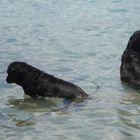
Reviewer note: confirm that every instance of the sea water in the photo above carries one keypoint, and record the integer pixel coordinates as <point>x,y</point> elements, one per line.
<point>80,41</point>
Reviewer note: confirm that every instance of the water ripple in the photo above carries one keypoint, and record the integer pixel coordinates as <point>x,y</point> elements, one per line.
<point>80,41</point>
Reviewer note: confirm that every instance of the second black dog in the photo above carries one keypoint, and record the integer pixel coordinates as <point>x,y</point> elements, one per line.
<point>130,63</point>
<point>36,83</point>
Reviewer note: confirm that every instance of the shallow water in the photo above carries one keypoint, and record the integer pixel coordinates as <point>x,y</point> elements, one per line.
<point>80,41</point>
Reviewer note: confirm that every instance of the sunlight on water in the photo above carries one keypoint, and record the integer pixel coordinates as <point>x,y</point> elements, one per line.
<point>77,40</point>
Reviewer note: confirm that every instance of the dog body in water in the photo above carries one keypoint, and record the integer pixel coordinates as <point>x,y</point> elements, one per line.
<point>130,62</point>
<point>37,83</point>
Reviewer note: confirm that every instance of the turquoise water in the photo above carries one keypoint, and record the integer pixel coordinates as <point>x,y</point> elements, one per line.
<point>80,41</point>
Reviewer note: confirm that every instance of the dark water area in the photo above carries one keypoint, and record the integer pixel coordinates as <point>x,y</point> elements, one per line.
<point>80,41</point>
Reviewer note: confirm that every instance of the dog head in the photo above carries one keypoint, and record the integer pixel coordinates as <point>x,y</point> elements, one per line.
<point>17,72</point>
<point>134,43</point>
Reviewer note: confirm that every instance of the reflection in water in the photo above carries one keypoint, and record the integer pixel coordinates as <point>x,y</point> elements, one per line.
<point>24,112</point>
<point>129,111</point>
<point>32,105</point>
<point>23,123</point>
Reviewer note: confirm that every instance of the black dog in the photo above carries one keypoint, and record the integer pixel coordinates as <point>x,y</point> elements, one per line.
<point>130,62</point>
<point>36,83</point>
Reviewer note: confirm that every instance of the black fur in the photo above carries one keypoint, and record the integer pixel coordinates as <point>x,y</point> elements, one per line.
<point>37,83</point>
<point>130,62</point>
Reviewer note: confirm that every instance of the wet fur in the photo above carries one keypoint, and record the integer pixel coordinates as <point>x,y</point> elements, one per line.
<point>37,83</point>
<point>130,62</point>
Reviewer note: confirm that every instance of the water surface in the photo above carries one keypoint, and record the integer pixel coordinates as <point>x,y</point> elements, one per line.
<point>80,41</point>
